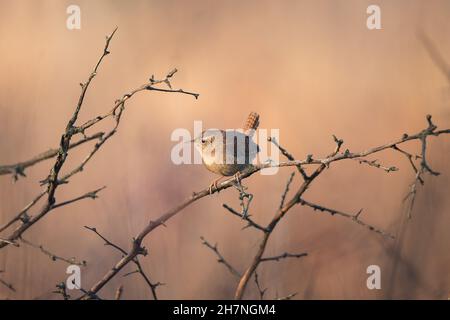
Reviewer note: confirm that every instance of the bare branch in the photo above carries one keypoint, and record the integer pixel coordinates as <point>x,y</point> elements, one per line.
<point>279,214</point>
<point>152,286</point>
<point>53,180</point>
<point>18,169</point>
<point>354,217</point>
<point>92,195</point>
<point>107,242</point>
<point>151,85</point>
<point>53,256</point>
<point>260,289</point>
<point>22,215</point>
<point>323,164</point>
<point>410,158</point>
<point>289,156</point>
<point>221,259</point>
<point>376,164</point>
<point>286,190</point>
<point>424,166</point>
<point>130,273</point>
<point>284,256</point>
<point>246,218</point>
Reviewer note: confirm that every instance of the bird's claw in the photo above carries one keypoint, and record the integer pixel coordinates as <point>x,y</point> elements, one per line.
<point>214,184</point>
<point>237,177</point>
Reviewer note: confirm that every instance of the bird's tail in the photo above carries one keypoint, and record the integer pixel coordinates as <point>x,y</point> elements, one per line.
<point>252,122</point>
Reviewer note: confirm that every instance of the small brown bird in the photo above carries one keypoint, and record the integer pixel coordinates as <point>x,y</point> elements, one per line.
<point>228,152</point>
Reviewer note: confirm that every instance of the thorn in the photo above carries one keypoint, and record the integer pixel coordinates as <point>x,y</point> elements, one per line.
<point>357,215</point>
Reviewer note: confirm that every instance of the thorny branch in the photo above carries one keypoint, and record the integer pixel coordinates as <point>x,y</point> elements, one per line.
<point>250,222</point>
<point>152,286</point>
<point>353,217</point>
<point>323,163</point>
<point>279,214</point>
<point>54,180</point>
<point>376,164</point>
<point>18,169</point>
<point>258,286</point>
<point>286,190</point>
<point>288,156</point>
<point>284,256</point>
<point>53,256</point>
<point>221,259</point>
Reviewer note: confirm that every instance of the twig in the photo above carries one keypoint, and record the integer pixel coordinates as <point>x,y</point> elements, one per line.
<point>284,256</point>
<point>221,259</point>
<point>424,167</point>
<point>246,218</point>
<point>22,215</point>
<point>279,214</point>
<point>260,289</point>
<point>353,217</point>
<point>52,181</point>
<point>18,169</point>
<point>120,102</point>
<point>310,160</point>
<point>286,190</point>
<point>323,164</point>
<point>410,158</point>
<point>289,156</point>
<point>53,256</point>
<point>130,273</point>
<point>374,163</point>
<point>53,178</point>
<point>92,195</point>
<point>152,286</point>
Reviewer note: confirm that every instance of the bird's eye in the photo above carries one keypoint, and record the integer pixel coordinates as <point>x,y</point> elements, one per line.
<point>203,141</point>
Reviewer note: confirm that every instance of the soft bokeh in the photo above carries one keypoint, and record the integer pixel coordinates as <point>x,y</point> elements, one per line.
<point>310,68</point>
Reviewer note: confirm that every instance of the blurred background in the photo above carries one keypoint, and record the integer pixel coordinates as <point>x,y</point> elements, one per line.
<point>309,68</point>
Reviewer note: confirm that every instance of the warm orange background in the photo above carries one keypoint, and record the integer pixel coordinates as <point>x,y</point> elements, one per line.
<point>310,68</point>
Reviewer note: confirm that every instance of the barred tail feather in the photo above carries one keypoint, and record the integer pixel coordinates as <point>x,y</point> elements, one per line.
<point>252,122</point>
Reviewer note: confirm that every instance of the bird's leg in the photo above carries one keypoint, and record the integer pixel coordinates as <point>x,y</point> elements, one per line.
<point>214,184</point>
<point>237,177</point>
<point>245,204</point>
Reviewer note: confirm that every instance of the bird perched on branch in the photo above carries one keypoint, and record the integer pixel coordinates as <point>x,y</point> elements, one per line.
<point>228,152</point>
